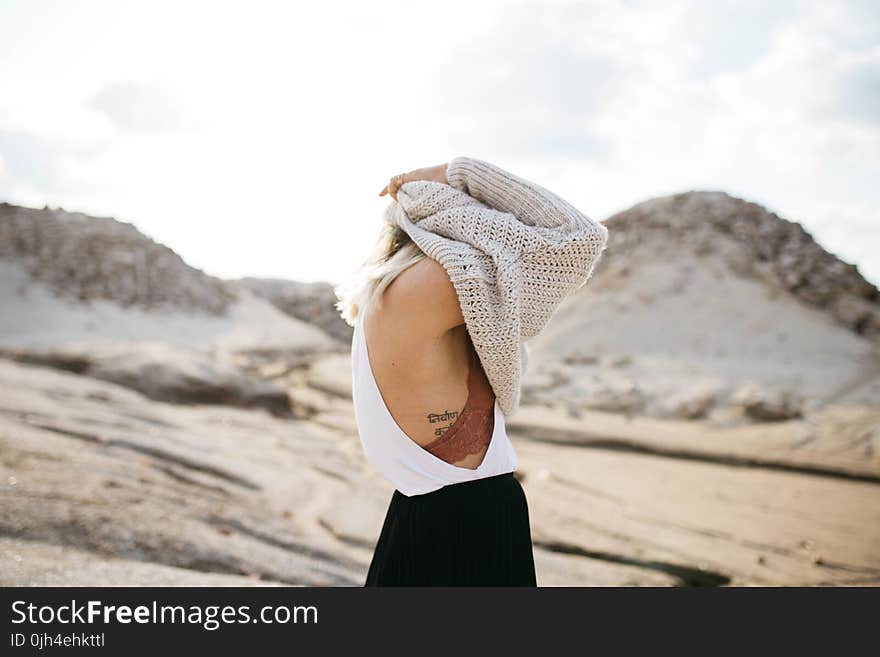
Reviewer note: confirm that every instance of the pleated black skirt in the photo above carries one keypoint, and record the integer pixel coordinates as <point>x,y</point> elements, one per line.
<point>475,533</point>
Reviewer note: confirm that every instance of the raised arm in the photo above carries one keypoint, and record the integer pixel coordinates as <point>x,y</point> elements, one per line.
<point>542,246</point>
<point>529,202</point>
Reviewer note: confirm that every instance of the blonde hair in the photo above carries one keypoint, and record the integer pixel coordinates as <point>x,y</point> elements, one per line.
<point>393,252</point>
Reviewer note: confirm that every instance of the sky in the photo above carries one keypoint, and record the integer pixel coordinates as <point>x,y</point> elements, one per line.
<point>254,137</point>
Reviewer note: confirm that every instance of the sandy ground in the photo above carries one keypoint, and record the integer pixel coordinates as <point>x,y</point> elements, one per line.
<point>102,485</point>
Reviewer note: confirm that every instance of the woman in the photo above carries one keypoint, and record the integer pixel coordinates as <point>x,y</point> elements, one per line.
<point>471,261</point>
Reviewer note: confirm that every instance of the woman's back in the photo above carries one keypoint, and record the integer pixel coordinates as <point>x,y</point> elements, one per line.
<point>426,413</point>
<point>433,385</point>
<point>418,375</point>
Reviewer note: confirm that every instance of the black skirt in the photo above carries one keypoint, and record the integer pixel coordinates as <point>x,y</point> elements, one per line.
<point>474,533</point>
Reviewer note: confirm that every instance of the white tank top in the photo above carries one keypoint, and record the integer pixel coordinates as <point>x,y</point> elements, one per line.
<point>412,469</point>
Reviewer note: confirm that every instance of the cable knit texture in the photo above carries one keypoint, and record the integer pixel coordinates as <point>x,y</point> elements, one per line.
<point>513,251</point>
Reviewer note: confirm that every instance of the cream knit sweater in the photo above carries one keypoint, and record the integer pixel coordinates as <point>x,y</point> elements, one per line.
<point>513,251</point>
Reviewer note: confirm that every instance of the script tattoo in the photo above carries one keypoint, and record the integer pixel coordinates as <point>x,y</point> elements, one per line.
<point>445,416</point>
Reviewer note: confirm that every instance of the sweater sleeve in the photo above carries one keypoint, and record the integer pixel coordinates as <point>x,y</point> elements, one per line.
<point>530,203</point>
<point>556,246</point>
<point>530,245</point>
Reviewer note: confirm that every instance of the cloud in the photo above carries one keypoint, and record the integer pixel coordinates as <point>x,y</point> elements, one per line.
<point>29,162</point>
<point>856,92</point>
<point>38,170</point>
<point>137,107</point>
<point>527,88</point>
<point>731,35</point>
<point>606,102</point>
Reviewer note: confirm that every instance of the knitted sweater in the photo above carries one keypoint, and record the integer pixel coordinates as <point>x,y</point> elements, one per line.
<point>513,251</point>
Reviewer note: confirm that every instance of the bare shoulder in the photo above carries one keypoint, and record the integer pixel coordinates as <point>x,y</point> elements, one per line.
<point>423,299</point>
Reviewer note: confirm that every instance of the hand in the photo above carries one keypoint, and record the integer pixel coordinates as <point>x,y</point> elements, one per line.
<point>435,173</point>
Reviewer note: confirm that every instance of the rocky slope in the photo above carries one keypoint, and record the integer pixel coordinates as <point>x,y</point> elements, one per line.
<point>705,305</point>
<point>774,250</point>
<point>311,302</point>
<point>95,296</point>
<point>85,258</point>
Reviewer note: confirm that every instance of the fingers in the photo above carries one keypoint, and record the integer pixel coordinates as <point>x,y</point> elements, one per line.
<point>392,187</point>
